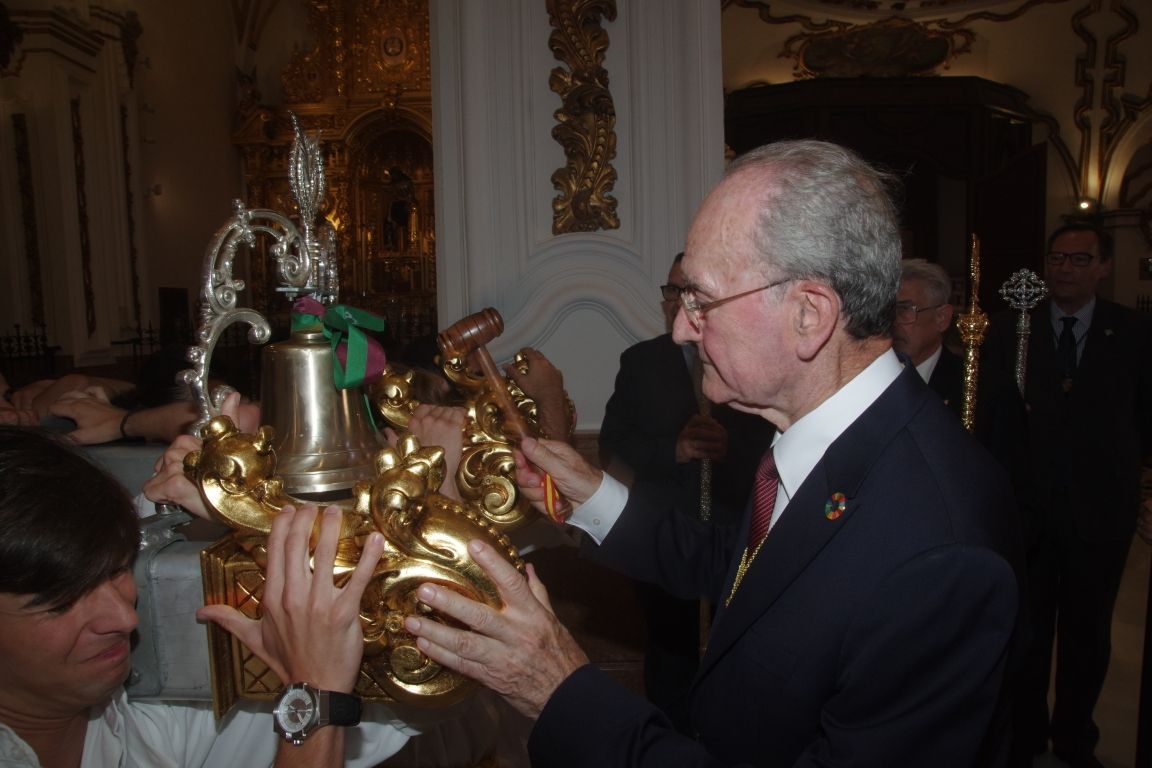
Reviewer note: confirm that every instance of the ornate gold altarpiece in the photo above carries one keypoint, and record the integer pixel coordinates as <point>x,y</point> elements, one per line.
<point>365,88</point>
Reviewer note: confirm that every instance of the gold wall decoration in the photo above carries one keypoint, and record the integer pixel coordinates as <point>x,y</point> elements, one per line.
<point>587,119</point>
<point>363,48</point>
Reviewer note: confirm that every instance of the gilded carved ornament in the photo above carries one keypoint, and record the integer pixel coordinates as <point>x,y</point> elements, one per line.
<point>241,480</point>
<point>586,122</point>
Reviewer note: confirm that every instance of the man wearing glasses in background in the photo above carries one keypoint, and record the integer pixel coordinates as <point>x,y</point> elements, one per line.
<point>1088,406</point>
<point>923,316</point>
<point>867,599</point>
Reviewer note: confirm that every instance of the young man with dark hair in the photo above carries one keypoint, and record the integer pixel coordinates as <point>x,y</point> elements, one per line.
<point>67,602</point>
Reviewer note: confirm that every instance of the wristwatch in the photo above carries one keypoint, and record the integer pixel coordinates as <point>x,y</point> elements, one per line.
<point>302,709</point>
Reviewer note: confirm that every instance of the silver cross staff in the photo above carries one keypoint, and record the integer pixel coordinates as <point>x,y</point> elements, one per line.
<point>1023,291</point>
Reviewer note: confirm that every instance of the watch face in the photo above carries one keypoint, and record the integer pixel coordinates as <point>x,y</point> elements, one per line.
<point>297,710</point>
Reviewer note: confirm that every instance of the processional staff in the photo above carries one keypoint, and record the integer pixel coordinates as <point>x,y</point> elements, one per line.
<point>1023,291</point>
<point>972,325</point>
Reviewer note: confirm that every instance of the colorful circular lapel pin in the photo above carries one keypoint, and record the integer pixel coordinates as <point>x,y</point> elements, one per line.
<point>835,505</point>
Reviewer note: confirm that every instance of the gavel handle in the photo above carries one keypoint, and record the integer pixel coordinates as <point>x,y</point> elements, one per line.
<point>514,424</point>
<point>516,427</point>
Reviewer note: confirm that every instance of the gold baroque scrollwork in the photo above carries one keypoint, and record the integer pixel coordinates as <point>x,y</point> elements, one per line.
<point>426,535</point>
<point>364,48</point>
<point>587,120</point>
<point>426,531</point>
<point>485,476</point>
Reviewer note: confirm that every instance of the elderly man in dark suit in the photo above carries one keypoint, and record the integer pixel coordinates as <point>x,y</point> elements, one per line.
<point>868,597</point>
<point>1088,413</point>
<point>923,316</point>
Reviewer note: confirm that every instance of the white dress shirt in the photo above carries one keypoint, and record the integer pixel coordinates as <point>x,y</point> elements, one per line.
<point>796,450</point>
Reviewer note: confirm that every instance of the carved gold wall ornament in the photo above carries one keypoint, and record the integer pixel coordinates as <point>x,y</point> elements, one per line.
<point>363,49</point>
<point>587,119</point>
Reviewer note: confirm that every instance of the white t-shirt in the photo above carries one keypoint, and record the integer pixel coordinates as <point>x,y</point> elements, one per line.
<point>144,734</point>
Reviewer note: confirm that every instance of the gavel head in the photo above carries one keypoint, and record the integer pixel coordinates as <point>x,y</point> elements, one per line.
<point>470,333</point>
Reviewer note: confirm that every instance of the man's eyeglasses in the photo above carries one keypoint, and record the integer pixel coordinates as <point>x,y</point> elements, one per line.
<point>695,311</point>
<point>1078,259</point>
<point>671,292</point>
<point>907,312</point>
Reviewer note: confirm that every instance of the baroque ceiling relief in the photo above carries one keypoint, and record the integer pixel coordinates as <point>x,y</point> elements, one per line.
<point>891,44</point>
<point>586,126</point>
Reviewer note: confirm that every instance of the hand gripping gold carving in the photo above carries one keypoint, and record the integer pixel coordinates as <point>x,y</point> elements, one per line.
<point>426,536</point>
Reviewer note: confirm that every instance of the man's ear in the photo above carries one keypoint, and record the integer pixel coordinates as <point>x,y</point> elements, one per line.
<point>944,318</point>
<point>1106,268</point>
<point>816,316</point>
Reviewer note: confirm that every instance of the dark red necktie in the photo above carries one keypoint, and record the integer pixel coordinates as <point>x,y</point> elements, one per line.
<point>764,500</point>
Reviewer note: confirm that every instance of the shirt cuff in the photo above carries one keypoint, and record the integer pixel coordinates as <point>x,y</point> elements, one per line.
<point>599,513</point>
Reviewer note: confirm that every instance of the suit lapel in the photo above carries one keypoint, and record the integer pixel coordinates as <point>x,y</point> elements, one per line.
<point>1102,335</point>
<point>805,528</point>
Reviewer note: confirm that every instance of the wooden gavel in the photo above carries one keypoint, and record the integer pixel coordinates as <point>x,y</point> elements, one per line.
<point>468,336</point>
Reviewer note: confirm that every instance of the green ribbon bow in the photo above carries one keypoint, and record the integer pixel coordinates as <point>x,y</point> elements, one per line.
<point>357,356</point>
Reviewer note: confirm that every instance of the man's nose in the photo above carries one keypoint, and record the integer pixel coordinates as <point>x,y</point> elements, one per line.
<point>115,603</point>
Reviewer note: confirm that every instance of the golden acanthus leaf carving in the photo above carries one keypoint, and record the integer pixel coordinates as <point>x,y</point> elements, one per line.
<point>587,118</point>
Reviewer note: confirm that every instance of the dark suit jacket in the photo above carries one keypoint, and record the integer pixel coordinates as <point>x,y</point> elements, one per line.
<point>947,380</point>
<point>652,401</point>
<point>874,639</point>
<point>1083,446</point>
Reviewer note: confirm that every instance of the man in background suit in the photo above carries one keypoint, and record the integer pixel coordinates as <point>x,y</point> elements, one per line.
<point>871,623</point>
<point>1088,406</point>
<point>656,430</point>
<point>923,316</point>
